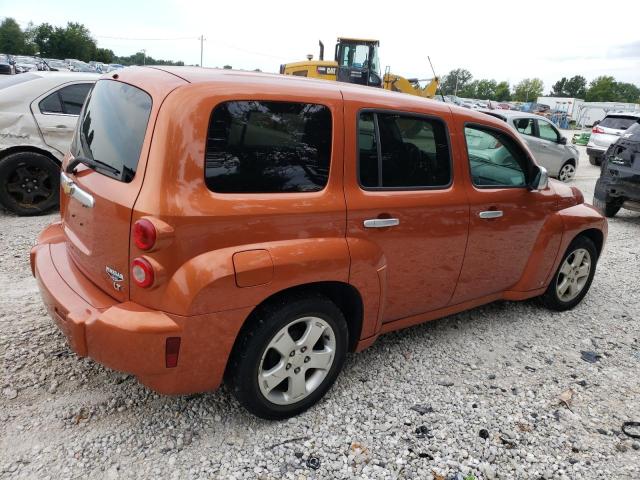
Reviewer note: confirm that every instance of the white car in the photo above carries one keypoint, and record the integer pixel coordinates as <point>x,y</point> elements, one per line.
<point>607,132</point>
<point>38,115</point>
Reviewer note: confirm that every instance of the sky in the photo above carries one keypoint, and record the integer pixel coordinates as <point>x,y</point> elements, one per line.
<point>503,40</point>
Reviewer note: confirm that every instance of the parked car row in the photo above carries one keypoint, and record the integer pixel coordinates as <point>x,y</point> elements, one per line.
<point>607,132</point>
<point>12,64</point>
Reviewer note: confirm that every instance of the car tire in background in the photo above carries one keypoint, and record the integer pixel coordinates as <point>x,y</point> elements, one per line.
<point>607,208</point>
<point>278,368</point>
<point>29,183</point>
<point>567,171</point>
<point>594,160</point>
<point>573,278</point>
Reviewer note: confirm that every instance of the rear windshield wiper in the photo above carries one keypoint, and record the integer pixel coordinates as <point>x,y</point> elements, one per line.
<point>91,162</point>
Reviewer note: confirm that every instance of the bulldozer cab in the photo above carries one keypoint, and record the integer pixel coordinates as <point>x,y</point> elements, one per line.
<point>358,61</point>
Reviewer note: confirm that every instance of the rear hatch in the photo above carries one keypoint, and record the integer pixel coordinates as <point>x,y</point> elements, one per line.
<point>610,129</point>
<point>112,137</point>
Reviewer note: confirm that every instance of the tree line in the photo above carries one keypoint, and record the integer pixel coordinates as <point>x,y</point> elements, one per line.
<point>73,41</point>
<point>605,88</point>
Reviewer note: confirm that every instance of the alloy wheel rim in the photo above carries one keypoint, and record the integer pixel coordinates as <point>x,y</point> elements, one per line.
<point>29,185</point>
<point>573,275</point>
<point>567,172</point>
<point>297,360</point>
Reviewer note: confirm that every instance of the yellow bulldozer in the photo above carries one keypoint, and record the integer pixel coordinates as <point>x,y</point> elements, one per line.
<point>356,61</point>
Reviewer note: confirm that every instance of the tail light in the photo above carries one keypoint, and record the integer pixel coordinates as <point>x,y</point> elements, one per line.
<point>597,129</point>
<point>171,352</point>
<point>142,272</point>
<point>144,234</point>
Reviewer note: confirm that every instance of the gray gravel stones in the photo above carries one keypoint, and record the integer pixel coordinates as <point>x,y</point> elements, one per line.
<point>64,417</point>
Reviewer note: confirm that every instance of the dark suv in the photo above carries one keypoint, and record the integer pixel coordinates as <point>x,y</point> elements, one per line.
<point>619,183</point>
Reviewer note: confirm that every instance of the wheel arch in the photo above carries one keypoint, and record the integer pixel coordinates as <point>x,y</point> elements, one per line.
<point>29,148</point>
<point>345,296</point>
<point>595,235</point>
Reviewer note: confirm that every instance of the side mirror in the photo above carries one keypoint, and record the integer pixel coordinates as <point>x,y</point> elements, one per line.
<point>541,180</point>
<point>562,141</point>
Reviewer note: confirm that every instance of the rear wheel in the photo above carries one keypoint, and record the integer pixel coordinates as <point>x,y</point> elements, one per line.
<point>594,160</point>
<point>289,356</point>
<point>567,172</point>
<point>608,208</point>
<point>29,183</point>
<point>574,276</point>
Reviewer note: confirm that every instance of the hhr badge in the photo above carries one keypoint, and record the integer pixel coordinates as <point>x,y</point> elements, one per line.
<point>115,277</point>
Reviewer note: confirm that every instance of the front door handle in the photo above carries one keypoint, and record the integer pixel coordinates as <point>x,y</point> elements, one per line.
<point>490,214</point>
<point>381,222</point>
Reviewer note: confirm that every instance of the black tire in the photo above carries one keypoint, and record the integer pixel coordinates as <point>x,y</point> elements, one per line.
<point>246,358</point>
<point>607,208</point>
<point>594,160</point>
<point>29,183</point>
<point>550,298</point>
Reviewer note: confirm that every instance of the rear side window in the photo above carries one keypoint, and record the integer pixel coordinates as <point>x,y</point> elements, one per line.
<point>112,126</point>
<point>401,151</point>
<point>268,147</point>
<point>618,122</point>
<point>524,125</point>
<point>67,100</point>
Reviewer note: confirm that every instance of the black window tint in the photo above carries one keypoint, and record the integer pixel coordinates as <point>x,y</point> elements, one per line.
<point>73,97</point>
<point>414,152</point>
<point>268,147</point>
<point>112,127</point>
<point>51,104</point>
<point>495,159</point>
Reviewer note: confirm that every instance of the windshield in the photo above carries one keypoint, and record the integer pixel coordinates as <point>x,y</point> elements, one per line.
<point>112,127</point>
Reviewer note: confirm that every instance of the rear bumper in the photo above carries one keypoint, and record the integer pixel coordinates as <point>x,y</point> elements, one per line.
<point>621,187</point>
<point>126,336</point>
<point>595,152</point>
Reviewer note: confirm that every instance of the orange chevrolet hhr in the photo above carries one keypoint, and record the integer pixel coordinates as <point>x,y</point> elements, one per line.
<point>255,228</point>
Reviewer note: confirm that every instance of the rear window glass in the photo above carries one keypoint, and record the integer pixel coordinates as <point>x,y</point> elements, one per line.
<point>268,147</point>
<point>112,127</point>
<point>618,122</point>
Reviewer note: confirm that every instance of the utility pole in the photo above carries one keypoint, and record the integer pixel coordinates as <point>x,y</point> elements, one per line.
<point>201,47</point>
<point>144,56</point>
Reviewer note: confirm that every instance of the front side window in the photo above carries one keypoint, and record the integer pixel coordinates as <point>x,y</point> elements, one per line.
<point>268,147</point>
<point>524,125</point>
<point>112,127</point>
<point>547,132</point>
<point>67,100</point>
<point>495,159</point>
<point>402,151</point>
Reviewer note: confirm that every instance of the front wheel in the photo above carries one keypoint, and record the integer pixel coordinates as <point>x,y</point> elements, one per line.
<point>567,172</point>
<point>288,357</point>
<point>574,276</point>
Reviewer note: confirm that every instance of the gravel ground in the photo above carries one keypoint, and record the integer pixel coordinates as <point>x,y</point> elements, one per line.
<point>472,394</point>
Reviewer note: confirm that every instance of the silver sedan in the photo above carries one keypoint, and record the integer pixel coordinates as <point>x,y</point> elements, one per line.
<point>548,145</point>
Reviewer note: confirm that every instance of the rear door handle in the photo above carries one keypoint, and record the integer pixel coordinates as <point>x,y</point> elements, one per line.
<point>490,214</point>
<point>381,222</point>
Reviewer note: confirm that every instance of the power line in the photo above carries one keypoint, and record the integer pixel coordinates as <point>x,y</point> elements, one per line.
<point>146,39</point>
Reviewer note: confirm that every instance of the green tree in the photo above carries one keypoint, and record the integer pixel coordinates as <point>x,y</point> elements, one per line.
<point>43,38</point>
<point>576,87</point>
<point>470,90</point>
<point>74,41</point>
<point>455,81</point>
<point>559,89</point>
<point>12,39</point>
<point>486,89</point>
<point>602,89</point>
<point>503,92</point>
<point>627,92</point>
<point>528,90</point>
<point>104,55</point>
